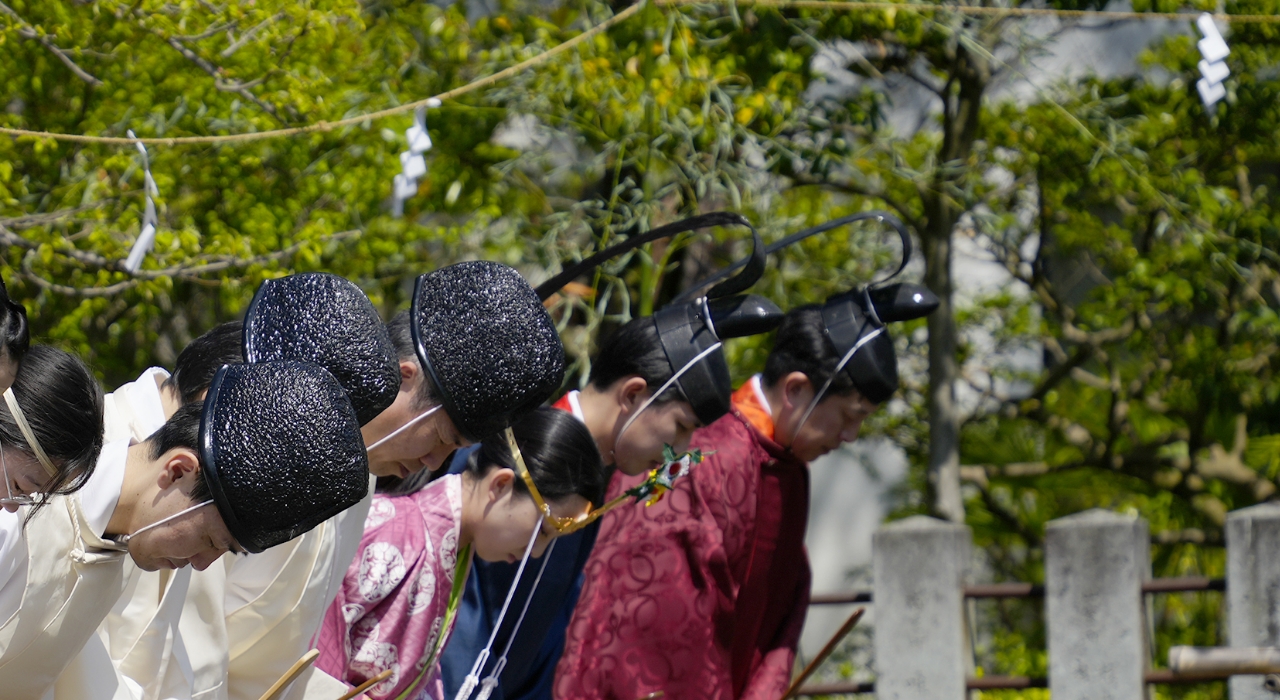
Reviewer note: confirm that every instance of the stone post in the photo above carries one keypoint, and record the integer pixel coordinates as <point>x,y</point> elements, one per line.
<point>1095,563</point>
<point>1253,587</point>
<point>922,650</point>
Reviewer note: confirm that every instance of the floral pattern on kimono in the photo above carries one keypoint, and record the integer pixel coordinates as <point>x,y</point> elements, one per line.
<point>390,610</point>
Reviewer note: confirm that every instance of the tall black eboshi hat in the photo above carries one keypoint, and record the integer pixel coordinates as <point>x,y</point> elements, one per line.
<point>326,319</point>
<point>281,450</point>
<point>854,321</point>
<point>489,348</point>
<point>691,330</point>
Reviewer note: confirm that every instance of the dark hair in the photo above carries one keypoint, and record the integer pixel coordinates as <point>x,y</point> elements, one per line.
<point>402,339</point>
<point>558,450</point>
<point>14,333</point>
<point>203,357</point>
<point>63,404</point>
<point>635,350</point>
<point>183,431</point>
<point>801,345</point>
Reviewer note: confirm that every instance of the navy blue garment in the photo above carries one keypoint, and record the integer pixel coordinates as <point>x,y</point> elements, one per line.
<point>531,665</point>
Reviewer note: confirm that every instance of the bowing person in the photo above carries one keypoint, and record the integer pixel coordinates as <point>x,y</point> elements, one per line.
<point>726,577</point>
<point>50,435</point>
<point>396,607</point>
<point>272,451</point>
<point>652,383</point>
<point>475,351</point>
<point>140,640</point>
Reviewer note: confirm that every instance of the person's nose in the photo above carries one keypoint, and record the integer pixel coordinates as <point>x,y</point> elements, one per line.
<point>202,561</point>
<point>851,430</point>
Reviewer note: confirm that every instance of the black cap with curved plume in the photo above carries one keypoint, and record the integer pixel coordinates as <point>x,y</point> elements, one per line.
<point>486,344</point>
<point>690,331</point>
<point>326,319</point>
<point>855,320</point>
<point>280,449</point>
<point>852,316</point>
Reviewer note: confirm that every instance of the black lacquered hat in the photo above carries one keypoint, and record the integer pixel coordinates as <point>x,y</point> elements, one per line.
<point>489,348</point>
<point>326,319</point>
<point>855,320</point>
<point>281,450</point>
<point>691,329</point>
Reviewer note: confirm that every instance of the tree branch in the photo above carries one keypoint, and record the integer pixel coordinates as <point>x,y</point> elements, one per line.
<point>232,86</point>
<point>27,31</point>
<point>192,271</point>
<point>249,33</point>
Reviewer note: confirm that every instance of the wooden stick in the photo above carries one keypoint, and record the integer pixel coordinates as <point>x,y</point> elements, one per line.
<point>292,674</point>
<point>654,695</point>
<point>366,685</point>
<point>826,651</point>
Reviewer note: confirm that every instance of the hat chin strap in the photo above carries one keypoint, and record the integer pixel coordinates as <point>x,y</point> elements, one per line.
<point>21,419</point>
<point>401,429</point>
<point>124,539</point>
<point>827,385</point>
<point>667,385</point>
<point>473,678</point>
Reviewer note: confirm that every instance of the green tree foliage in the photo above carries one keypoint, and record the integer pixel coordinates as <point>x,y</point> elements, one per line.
<point>1139,233</point>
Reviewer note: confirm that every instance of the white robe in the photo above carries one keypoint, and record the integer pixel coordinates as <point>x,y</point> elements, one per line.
<point>138,642</point>
<point>72,576</point>
<point>276,601</point>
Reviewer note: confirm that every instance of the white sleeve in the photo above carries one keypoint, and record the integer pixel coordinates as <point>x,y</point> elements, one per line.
<point>13,563</point>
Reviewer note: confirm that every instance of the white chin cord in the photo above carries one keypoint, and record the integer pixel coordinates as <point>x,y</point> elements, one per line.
<point>401,429</point>
<point>667,385</point>
<point>124,539</point>
<point>839,368</point>
<point>473,679</point>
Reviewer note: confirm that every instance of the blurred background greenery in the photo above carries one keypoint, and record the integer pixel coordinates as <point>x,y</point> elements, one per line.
<point>1137,234</point>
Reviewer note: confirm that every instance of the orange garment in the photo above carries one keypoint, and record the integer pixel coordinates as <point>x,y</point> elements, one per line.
<point>750,402</point>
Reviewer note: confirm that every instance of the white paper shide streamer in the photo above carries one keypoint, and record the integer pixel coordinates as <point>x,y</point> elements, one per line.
<point>413,164</point>
<point>1213,67</point>
<point>146,237</point>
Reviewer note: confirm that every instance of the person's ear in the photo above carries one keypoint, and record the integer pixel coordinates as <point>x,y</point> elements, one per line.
<point>631,393</point>
<point>408,373</point>
<point>501,481</point>
<point>178,464</point>
<point>797,390</point>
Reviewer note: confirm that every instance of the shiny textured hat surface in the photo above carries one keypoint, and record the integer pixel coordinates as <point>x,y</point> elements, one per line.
<point>281,450</point>
<point>326,319</point>
<point>488,346</point>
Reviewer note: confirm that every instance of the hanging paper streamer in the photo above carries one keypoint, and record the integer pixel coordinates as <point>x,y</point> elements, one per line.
<point>413,164</point>
<point>1213,67</point>
<point>147,237</point>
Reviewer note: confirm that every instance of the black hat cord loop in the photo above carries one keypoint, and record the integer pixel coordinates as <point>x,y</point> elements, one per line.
<point>881,216</point>
<point>748,277</point>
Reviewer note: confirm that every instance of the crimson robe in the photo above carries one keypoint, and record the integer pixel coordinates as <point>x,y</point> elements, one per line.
<point>702,595</point>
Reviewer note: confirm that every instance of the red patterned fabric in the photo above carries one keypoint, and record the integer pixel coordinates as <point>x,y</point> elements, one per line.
<point>702,595</point>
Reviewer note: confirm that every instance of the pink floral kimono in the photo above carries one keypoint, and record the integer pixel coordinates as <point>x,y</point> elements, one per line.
<point>393,610</point>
